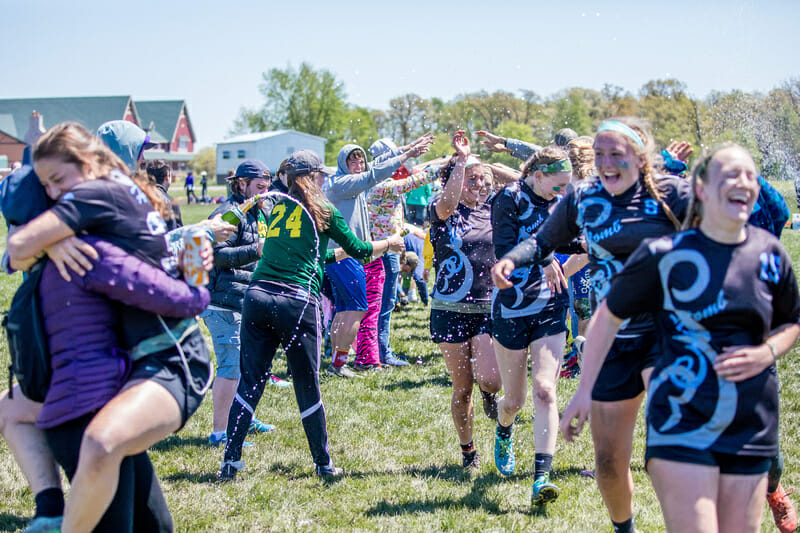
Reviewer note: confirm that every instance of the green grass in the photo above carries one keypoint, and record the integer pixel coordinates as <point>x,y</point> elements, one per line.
<point>393,435</point>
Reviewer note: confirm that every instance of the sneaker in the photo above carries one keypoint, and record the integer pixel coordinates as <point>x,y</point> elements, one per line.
<point>229,469</point>
<point>412,297</point>
<point>543,491</point>
<point>403,300</point>
<point>340,371</point>
<point>393,360</point>
<point>365,367</point>
<point>328,470</point>
<point>471,461</point>
<point>490,404</point>
<point>44,524</point>
<point>782,509</point>
<point>504,458</point>
<point>275,381</point>
<point>257,426</point>
<point>220,437</point>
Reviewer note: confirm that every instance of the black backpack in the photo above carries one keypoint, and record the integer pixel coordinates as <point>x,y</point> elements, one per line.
<point>27,340</point>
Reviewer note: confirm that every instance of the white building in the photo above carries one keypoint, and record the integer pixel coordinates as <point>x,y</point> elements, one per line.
<point>270,147</point>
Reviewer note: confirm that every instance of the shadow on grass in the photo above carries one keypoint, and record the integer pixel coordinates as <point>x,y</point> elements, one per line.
<point>176,441</point>
<point>10,522</point>
<point>192,477</point>
<point>408,384</point>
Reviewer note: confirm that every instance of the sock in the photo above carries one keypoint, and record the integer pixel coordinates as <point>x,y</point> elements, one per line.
<point>467,448</point>
<point>543,463</point>
<point>627,526</point>
<point>340,358</point>
<point>504,432</point>
<point>50,502</point>
<point>775,472</point>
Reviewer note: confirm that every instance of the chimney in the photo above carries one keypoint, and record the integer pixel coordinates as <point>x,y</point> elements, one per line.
<point>35,128</point>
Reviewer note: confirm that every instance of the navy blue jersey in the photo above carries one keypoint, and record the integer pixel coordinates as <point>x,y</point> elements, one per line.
<point>613,227</point>
<point>463,254</point>
<point>517,213</point>
<point>706,296</point>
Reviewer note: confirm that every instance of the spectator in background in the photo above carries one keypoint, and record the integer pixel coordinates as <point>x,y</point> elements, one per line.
<point>188,184</point>
<point>160,173</point>
<point>204,186</point>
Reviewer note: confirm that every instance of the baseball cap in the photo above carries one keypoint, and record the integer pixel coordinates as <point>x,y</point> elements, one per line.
<point>304,162</point>
<point>252,168</point>
<point>563,136</point>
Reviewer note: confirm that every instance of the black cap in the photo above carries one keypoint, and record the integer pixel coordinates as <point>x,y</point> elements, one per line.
<point>252,168</point>
<point>304,162</point>
<point>563,136</point>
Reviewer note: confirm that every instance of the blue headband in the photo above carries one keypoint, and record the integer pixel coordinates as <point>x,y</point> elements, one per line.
<point>619,127</point>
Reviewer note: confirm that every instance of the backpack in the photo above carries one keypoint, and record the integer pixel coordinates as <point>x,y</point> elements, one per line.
<point>27,340</point>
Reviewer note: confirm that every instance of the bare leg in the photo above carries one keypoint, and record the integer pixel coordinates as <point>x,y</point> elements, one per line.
<point>485,363</point>
<point>138,417</point>
<point>513,368</point>
<point>223,392</point>
<point>27,442</point>
<point>741,502</point>
<point>546,357</point>
<point>457,360</point>
<point>612,426</point>
<point>688,494</point>
<point>344,329</point>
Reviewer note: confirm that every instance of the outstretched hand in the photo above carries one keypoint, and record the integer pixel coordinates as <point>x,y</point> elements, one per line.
<point>680,150</point>
<point>421,145</point>
<point>493,143</point>
<point>500,273</point>
<point>461,143</point>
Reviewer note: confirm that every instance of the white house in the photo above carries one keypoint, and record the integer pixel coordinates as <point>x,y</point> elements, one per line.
<point>270,147</point>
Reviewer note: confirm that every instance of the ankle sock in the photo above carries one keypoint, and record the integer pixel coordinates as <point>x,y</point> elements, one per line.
<point>467,448</point>
<point>504,432</point>
<point>627,526</point>
<point>543,462</point>
<point>50,502</point>
<point>340,358</point>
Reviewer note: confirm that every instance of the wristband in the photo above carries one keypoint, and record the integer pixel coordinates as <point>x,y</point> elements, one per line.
<point>773,349</point>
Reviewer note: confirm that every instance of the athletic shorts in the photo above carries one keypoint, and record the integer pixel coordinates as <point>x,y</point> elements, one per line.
<point>166,368</point>
<point>224,326</point>
<point>727,463</point>
<point>348,285</point>
<point>519,332</point>
<point>620,376</point>
<point>453,327</point>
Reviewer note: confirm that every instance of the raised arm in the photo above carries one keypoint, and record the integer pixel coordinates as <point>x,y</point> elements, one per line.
<point>451,194</point>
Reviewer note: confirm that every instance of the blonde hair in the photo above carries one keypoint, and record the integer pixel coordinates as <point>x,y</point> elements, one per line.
<point>647,172</point>
<point>581,155</point>
<point>72,143</point>
<point>545,156</point>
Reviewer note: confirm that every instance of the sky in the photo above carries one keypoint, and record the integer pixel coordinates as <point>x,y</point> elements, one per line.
<point>213,54</point>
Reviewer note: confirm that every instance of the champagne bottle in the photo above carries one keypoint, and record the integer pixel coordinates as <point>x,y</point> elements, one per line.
<point>235,214</point>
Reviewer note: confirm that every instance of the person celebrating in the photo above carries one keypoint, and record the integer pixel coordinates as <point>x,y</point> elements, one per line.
<point>726,302</point>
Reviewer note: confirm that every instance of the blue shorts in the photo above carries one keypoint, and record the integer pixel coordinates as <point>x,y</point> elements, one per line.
<point>348,285</point>
<point>453,327</point>
<point>728,463</point>
<point>519,332</point>
<point>224,327</point>
<point>620,377</point>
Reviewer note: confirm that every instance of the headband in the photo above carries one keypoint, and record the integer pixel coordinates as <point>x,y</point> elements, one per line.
<point>562,165</point>
<point>472,160</point>
<point>619,127</point>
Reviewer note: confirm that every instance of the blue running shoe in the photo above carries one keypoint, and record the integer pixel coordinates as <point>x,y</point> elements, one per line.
<point>219,437</point>
<point>504,455</point>
<point>44,524</point>
<point>544,492</point>
<point>257,426</point>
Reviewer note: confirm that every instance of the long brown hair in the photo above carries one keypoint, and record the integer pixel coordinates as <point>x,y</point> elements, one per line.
<point>647,172</point>
<point>305,189</point>
<point>72,143</point>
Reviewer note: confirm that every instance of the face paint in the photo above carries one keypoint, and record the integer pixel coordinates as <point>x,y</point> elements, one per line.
<point>622,163</point>
<point>556,189</point>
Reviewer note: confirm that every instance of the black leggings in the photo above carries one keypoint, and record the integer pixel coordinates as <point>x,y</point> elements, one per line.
<point>273,315</point>
<point>138,504</point>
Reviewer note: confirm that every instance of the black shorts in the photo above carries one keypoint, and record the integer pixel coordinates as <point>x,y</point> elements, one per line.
<point>620,377</point>
<point>727,463</point>
<point>166,369</point>
<point>519,332</point>
<point>453,327</point>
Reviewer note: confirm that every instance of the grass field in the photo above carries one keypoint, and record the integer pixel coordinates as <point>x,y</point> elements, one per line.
<point>393,435</point>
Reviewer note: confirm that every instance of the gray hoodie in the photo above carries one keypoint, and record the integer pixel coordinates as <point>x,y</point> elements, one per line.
<point>347,191</point>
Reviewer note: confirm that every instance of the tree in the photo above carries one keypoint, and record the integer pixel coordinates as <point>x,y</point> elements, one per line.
<point>572,112</point>
<point>672,114</point>
<point>407,117</point>
<point>306,100</point>
<point>358,127</point>
<point>205,159</point>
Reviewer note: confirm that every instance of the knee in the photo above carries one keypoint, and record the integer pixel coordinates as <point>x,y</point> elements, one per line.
<point>544,392</point>
<point>513,402</point>
<point>608,465</point>
<point>462,395</point>
<point>97,452</point>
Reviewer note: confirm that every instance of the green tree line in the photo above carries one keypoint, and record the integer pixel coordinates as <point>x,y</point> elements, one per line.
<point>314,101</point>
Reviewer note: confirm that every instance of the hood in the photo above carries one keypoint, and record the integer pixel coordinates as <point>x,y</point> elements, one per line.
<point>341,159</point>
<point>125,139</point>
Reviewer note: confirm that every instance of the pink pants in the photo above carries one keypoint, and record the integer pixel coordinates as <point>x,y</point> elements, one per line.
<point>367,339</point>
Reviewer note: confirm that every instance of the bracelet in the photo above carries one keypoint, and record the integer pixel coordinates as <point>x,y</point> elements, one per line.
<point>773,349</point>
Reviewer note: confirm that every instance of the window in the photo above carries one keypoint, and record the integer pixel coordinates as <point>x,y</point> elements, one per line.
<point>240,154</point>
<point>290,150</point>
<point>226,154</point>
<point>183,143</point>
